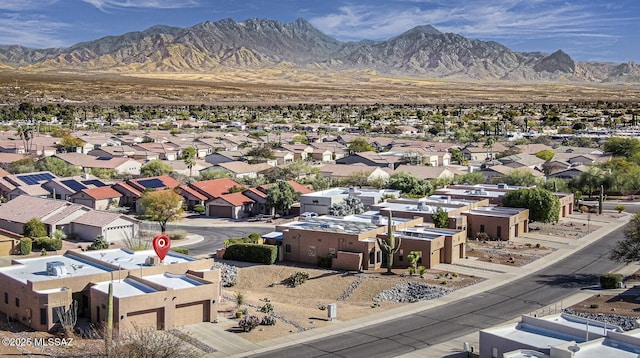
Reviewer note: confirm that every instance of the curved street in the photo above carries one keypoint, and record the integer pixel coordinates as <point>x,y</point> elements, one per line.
<point>459,318</point>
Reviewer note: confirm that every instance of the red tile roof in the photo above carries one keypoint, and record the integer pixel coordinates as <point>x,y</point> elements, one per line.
<point>216,187</point>
<point>128,188</point>
<point>297,187</point>
<point>257,192</point>
<point>236,199</point>
<point>105,192</point>
<point>193,192</point>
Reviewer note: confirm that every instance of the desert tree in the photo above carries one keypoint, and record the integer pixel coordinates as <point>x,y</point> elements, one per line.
<point>162,206</point>
<point>440,218</point>
<point>628,249</point>
<point>280,197</point>
<point>189,155</point>
<point>543,205</point>
<point>155,168</point>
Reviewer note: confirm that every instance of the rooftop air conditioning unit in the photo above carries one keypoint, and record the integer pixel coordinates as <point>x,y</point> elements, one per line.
<point>56,268</point>
<point>376,220</point>
<point>502,186</point>
<point>152,260</point>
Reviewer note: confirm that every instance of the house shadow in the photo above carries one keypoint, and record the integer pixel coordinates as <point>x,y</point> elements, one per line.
<point>586,281</point>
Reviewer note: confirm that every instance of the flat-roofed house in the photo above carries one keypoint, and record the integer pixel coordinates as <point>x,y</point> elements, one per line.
<point>146,292</point>
<point>498,223</point>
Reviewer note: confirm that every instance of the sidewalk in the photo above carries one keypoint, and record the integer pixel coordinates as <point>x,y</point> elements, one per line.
<point>490,271</point>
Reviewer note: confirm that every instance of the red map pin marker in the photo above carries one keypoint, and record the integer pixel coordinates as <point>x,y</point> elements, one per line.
<point>161,244</point>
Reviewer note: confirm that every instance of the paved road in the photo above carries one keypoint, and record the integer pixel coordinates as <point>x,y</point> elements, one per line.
<point>214,235</point>
<point>465,316</point>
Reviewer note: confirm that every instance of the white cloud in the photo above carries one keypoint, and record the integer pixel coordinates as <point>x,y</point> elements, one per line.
<point>497,19</point>
<point>19,5</point>
<point>34,32</point>
<point>104,5</point>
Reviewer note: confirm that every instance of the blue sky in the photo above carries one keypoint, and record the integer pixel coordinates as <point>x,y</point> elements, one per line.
<point>599,30</point>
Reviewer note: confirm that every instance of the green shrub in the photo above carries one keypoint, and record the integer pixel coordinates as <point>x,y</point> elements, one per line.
<point>200,209</point>
<point>261,254</point>
<point>98,244</point>
<point>48,244</point>
<point>254,238</point>
<point>34,228</point>
<point>177,235</point>
<point>267,308</point>
<point>610,280</point>
<point>268,321</point>
<point>25,246</point>
<point>181,250</point>
<point>324,261</point>
<point>421,271</point>
<point>249,322</point>
<point>297,279</point>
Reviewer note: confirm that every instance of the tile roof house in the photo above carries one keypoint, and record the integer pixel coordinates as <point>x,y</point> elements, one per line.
<point>234,206</point>
<point>383,160</point>
<point>62,188</point>
<point>87,162</point>
<point>71,218</point>
<point>132,189</point>
<point>215,188</point>
<point>100,198</point>
<point>428,172</point>
<point>343,171</point>
<point>192,197</point>
<point>242,169</point>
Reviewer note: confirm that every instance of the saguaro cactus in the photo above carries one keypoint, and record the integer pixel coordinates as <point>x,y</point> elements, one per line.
<point>109,334</point>
<point>389,245</point>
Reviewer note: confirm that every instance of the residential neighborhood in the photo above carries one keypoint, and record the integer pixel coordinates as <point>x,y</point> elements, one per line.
<point>337,198</point>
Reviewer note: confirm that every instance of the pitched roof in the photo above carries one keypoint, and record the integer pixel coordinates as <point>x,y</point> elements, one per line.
<point>159,183</point>
<point>216,187</point>
<point>98,218</point>
<point>242,167</point>
<point>299,188</point>
<point>257,192</point>
<point>23,208</point>
<point>426,172</point>
<point>105,192</point>
<point>237,199</point>
<point>189,190</point>
<point>127,188</point>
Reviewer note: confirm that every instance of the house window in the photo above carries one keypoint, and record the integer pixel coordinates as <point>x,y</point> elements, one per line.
<point>17,302</point>
<point>378,256</point>
<point>43,316</point>
<point>312,251</point>
<point>494,352</point>
<point>287,248</point>
<point>499,232</point>
<point>481,228</point>
<point>6,298</point>
<point>372,258</point>
<point>332,252</point>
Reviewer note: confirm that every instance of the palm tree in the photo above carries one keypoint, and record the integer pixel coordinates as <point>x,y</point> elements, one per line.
<point>25,133</point>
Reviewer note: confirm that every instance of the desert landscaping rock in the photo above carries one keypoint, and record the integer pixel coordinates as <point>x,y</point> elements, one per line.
<point>626,323</point>
<point>411,292</point>
<point>352,287</point>
<point>229,274</point>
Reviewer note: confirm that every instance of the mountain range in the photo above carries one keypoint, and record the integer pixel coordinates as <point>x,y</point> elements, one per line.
<point>261,43</point>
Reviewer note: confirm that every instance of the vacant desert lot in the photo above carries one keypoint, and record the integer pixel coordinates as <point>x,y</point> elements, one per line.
<point>286,86</point>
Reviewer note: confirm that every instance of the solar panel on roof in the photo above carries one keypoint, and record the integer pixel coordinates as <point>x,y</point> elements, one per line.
<point>73,184</point>
<point>33,179</point>
<point>154,183</point>
<point>95,182</point>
